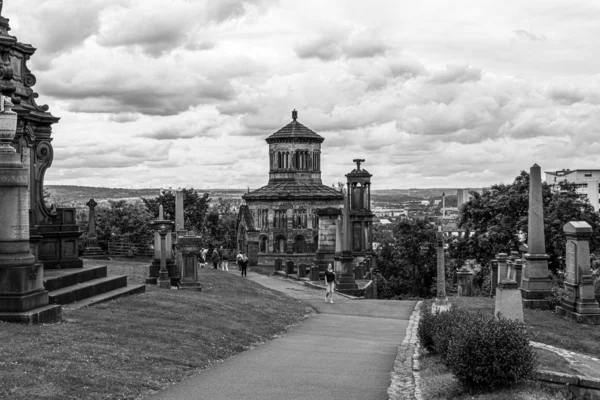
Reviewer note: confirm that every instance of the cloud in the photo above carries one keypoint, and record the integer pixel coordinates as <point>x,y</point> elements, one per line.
<point>338,44</point>
<point>525,35</point>
<point>456,73</point>
<point>123,117</point>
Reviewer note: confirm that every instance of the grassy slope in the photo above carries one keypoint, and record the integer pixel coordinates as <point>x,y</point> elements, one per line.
<point>142,343</point>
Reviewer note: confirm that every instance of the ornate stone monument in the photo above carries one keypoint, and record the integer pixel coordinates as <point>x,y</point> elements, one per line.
<point>509,302</point>
<point>536,284</point>
<point>92,250</point>
<point>164,228</point>
<point>189,246</point>
<point>327,236</point>
<point>22,294</point>
<point>579,302</point>
<point>441,301</point>
<point>170,262</point>
<point>361,216</point>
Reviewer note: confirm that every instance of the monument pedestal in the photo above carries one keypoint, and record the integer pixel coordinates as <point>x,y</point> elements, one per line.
<point>509,302</point>
<point>346,283</point>
<point>189,247</point>
<point>536,285</point>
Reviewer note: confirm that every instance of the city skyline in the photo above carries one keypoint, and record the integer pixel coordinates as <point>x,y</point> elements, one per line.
<point>432,95</point>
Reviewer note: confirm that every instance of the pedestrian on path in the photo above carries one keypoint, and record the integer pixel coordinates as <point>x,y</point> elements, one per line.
<point>242,262</point>
<point>329,284</point>
<point>224,260</point>
<point>215,258</point>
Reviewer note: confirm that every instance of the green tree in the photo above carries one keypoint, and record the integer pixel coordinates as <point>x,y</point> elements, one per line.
<point>122,220</point>
<point>195,207</point>
<point>410,257</point>
<point>221,223</point>
<point>498,219</point>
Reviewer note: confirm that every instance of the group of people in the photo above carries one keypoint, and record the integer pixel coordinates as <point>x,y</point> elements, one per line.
<point>220,259</point>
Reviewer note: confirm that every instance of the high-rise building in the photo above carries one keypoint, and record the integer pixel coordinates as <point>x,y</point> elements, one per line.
<point>587,181</point>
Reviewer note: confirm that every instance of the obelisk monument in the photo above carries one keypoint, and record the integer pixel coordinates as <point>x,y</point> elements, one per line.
<point>441,302</point>
<point>536,284</point>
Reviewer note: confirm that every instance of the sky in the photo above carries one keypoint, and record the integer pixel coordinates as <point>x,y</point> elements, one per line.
<point>431,93</point>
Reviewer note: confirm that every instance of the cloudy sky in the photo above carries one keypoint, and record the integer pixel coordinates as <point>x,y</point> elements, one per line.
<point>432,93</point>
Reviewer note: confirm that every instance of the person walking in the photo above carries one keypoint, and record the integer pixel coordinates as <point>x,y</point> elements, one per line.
<point>215,258</point>
<point>329,284</point>
<point>242,262</point>
<point>224,260</point>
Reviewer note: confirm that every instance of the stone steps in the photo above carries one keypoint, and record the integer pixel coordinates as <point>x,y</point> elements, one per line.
<point>113,294</point>
<point>86,286</point>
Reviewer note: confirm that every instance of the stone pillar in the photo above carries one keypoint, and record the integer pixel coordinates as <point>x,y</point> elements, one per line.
<point>579,302</point>
<point>189,246</point>
<point>92,250</point>
<point>502,266</point>
<point>464,277</point>
<point>536,284</point>
<point>518,265</point>
<point>154,267</point>
<point>163,280</point>
<point>346,283</point>
<point>441,301</point>
<point>22,294</point>
<point>508,300</point>
<point>494,276</point>
<point>179,213</point>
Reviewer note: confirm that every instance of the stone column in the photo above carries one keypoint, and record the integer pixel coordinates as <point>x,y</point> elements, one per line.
<point>22,294</point>
<point>441,301</point>
<point>494,276</point>
<point>502,266</point>
<point>92,250</point>
<point>536,284</point>
<point>346,283</point>
<point>154,267</point>
<point>163,281</point>
<point>579,302</point>
<point>189,246</point>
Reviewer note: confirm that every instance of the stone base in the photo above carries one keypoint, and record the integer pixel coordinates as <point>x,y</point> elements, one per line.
<point>194,286</point>
<point>23,302</point>
<point>43,315</point>
<point>509,302</point>
<point>581,318</point>
<point>534,292</point>
<point>440,305</point>
<point>154,270</point>
<point>94,253</point>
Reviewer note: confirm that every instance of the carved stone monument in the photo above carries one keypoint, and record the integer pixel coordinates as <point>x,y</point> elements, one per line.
<point>579,302</point>
<point>22,294</point>
<point>346,283</point>
<point>508,302</point>
<point>170,262</point>
<point>92,250</point>
<point>164,228</point>
<point>327,236</point>
<point>441,301</point>
<point>536,284</point>
<point>189,246</point>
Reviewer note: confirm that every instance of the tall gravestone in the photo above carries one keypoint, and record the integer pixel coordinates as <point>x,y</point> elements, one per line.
<point>92,249</point>
<point>179,228</point>
<point>189,246</point>
<point>154,268</point>
<point>509,300</point>
<point>536,285</point>
<point>578,302</point>
<point>346,283</point>
<point>22,294</point>
<point>441,301</point>
<point>327,236</point>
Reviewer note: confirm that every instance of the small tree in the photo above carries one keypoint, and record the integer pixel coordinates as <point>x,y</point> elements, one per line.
<point>122,219</point>
<point>195,206</point>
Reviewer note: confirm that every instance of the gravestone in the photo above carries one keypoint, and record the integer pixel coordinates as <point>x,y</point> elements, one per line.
<point>494,276</point>
<point>92,250</point>
<point>578,302</point>
<point>346,283</point>
<point>164,228</point>
<point>441,301</point>
<point>154,268</point>
<point>509,302</point>
<point>502,266</point>
<point>189,246</point>
<point>464,276</point>
<point>536,285</point>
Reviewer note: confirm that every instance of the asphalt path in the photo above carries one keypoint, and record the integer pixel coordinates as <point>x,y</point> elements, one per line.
<point>345,351</point>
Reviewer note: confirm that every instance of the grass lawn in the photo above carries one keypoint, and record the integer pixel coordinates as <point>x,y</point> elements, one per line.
<point>135,345</point>
<point>545,326</point>
<point>439,383</point>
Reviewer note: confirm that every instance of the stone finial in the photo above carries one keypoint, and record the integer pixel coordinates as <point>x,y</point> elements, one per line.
<point>358,161</point>
<point>294,115</point>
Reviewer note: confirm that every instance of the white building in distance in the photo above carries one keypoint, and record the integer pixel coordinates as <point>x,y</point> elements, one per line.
<point>587,181</point>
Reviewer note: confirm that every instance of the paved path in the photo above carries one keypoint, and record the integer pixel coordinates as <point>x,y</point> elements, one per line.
<point>346,351</point>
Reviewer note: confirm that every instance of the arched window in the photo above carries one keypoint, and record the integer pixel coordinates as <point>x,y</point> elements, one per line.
<point>280,244</point>
<point>264,244</point>
<point>299,244</point>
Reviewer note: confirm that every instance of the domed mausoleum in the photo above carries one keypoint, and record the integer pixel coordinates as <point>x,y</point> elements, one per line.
<point>281,219</point>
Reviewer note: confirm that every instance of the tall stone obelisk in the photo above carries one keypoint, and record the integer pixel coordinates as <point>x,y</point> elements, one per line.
<point>441,301</point>
<point>536,284</point>
<point>22,294</point>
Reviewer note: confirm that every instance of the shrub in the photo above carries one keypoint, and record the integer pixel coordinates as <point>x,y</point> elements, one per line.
<point>425,328</point>
<point>446,325</point>
<point>485,352</point>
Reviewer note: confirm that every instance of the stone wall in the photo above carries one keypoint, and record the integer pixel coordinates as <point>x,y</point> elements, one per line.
<point>124,248</point>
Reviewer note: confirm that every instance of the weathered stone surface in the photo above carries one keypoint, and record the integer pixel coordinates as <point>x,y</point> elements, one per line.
<point>508,301</point>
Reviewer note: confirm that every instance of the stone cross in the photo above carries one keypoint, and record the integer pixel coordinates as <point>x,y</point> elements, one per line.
<point>92,236</point>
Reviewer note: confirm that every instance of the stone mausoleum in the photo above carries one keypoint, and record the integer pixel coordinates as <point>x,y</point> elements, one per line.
<point>281,219</point>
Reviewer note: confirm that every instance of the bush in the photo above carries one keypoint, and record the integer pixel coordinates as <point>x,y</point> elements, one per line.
<point>485,352</point>
<point>446,325</point>
<point>425,328</point>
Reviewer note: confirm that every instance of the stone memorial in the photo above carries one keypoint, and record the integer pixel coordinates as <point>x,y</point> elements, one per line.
<point>154,268</point>
<point>509,302</point>
<point>441,302</point>
<point>536,284</point>
<point>92,250</point>
<point>164,229</point>
<point>327,237</point>
<point>189,246</point>
<point>346,283</point>
<point>464,277</point>
<point>502,259</point>
<point>578,302</point>
<point>493,276</point>
<point>23,297</point>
